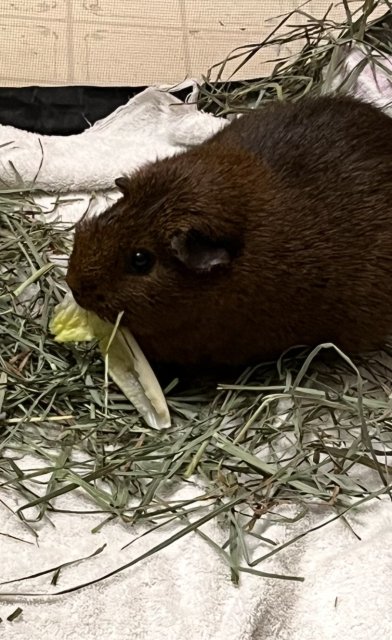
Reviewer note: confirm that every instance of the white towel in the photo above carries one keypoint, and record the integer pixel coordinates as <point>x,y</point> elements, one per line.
<point>184,592</point>
<point>152,125</point>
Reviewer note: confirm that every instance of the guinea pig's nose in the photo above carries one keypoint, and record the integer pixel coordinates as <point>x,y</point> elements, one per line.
<point>76,294</point>
<point>79,289</point>
<point>87,296</point>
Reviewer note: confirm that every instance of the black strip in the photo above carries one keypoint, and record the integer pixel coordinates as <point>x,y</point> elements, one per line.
<point>62,110</point>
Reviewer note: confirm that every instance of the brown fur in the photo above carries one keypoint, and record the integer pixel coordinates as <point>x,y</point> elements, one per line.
<point>298,200</point>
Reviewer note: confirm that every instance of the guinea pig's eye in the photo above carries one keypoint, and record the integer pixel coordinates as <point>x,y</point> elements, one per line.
<point>140,262</point>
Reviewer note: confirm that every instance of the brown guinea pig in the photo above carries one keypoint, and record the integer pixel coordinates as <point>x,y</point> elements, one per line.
<point>275,232</point>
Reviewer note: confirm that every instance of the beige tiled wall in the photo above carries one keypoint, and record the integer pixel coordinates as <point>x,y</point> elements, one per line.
<point>130,42</point>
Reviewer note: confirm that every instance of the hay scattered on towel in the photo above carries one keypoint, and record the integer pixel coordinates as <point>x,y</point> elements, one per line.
<point>298,432</point>
<point>306,73</point>
<point>285,433</point>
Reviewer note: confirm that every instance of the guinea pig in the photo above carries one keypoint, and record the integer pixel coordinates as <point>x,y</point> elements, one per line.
<point>276,232</point>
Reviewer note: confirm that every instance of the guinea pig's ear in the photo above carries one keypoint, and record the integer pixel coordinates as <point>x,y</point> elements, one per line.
<point>122,183</point>
<point>201,253</point>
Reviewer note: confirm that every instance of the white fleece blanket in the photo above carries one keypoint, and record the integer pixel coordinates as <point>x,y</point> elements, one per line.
<point>184,592</point>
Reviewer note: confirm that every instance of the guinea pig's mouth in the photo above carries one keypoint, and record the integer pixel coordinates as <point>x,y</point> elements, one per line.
<point>103,313</point>
<point>98,307</point>
<point>109,315</point>
<point>90,300</point>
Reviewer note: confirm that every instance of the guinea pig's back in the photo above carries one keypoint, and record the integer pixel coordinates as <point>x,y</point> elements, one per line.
<point>323,241</point>
<point>333,137</point>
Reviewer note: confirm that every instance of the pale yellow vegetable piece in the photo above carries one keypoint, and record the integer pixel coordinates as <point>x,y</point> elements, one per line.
<point>71,323</point>
<point>127,365</point>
